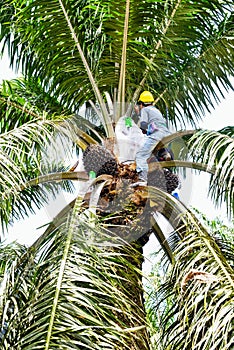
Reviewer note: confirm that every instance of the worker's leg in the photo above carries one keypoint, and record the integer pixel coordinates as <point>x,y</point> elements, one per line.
<point>142,155</point>
<point>145,152</point>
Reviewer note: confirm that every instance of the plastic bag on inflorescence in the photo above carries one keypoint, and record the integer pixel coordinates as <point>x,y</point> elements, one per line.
<point>129,139</point>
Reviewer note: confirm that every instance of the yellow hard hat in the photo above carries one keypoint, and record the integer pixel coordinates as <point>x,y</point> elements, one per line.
<point>146,97</point>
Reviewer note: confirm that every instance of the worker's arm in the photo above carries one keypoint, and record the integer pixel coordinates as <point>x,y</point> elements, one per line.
<point>144,122</point>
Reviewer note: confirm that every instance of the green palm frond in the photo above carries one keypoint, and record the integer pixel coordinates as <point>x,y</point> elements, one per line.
<point>217,150</point>
<point>176,49</point>
<point>204,74</point>
<point>199,289</point>
<point>21,158</point>
<point>34,141</point>
<point>24,100</point>
<point>30,94</point>
<point>106,120</point>
<point>9,254</point>
<point>228,130</point>
<point>28,136</point>
<point>80,277</point>
<point>221,232</point>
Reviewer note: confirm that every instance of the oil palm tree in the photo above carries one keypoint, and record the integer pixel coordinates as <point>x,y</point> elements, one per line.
<point>80,286</point>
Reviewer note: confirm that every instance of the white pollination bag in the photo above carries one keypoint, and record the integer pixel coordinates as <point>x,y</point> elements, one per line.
<point>129,139</point>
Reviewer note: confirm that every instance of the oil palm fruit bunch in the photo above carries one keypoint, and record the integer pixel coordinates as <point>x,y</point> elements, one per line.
<point>172,180</point>
<point>100,160</point>
<point>163,179</point>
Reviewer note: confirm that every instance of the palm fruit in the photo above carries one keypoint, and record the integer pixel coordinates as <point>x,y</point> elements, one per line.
<point>157,179</point>
<point>163,179</point>
<point>100,160</point>
<point>172,180</point>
